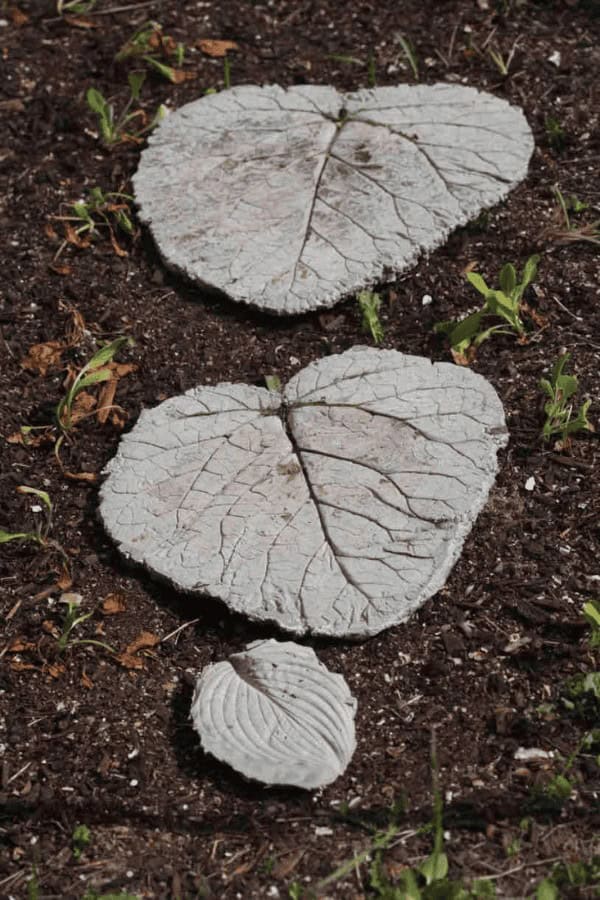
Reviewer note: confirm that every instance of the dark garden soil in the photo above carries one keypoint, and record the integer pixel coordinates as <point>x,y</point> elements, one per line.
<point>87,739</point>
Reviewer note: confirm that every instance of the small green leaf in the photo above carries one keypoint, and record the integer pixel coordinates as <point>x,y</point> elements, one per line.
<point>166,71</point>
<point>508,278</point>
<point>96,101</point>
<point>108,352</point>
<point>43,495</point>
<point>478,283</point>
<point>547,890</point>
<point>464,332</point>
<point>273,382</point>
<point>6,536</point>
<point>530,270</point>
<point>136,80</point>
<point>93,378</point>
<point>435,867</point>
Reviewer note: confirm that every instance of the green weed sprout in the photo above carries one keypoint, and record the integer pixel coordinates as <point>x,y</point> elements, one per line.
<point>369,304</point>
<point>80,839</point>
<point>409,52</point>
<point>591,613</point>
<point>466,335</point>
<point>149,45</point>
<point>113,129</point>
<point>71,621</point>
<point>569,231</point>
<point>74,6</point>
<point>93,372</point>
<point>560,388</point>
<point>40,535</point>
<point>100,210</point>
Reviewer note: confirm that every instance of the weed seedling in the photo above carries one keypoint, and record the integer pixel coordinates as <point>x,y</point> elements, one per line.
<point>157,50</point>
<point>561,422</point>
<point>371,70</point>
<point>79,7</point>
<point>555,134</point>
<point>95,371</point>
<point>73,618</point>
<point>466,335</point>
<point>109,212</point>
<point>113,130</point>
<point>369,304</point>
<point>42,530</point>
<point>409,53</point>
<point>80,840</point>
<point>564,230</point>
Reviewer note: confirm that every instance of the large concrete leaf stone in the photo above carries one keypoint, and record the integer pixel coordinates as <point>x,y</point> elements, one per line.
<point>336,508</point>
<point>276,714</point>
<point>291,199</point>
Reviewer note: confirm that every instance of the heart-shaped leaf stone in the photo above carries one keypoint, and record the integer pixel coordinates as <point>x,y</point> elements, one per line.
<point>277,715</point>
<point>337,508</point>
<point>292,199</point>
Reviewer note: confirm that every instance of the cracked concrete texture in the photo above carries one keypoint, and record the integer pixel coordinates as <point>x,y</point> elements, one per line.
<point>291,199</point>
<point>336,508</point>
<point>276,714</point>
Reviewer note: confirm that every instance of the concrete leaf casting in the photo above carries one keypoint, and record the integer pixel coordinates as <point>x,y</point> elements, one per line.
<point>291,199</point>
<point>277,715</point>
<point>335,508</point>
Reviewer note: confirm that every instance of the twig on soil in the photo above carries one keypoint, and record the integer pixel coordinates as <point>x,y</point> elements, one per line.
<point>525,865</point>
<point>568,311</point>
<point>177,630</point>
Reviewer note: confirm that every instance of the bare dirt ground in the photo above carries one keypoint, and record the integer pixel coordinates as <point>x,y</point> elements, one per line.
<point>88,739</point>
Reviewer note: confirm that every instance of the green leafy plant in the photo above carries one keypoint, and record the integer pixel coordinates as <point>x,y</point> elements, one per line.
<point>87,219</point>
<point>369,304</point>
<point>148,44</point>
<point>466,335</point>
<point>82,836</point>
<point>372,70</point>
<point>410,55</point>
<point>560,388</point>
<point>565,877</point>
<point>113,129</point>
<point>72,620</point>
<point>555,134</point>
<point>74,6</point>
<point>591,613</point>
<point>43,527</point>
<point>564,230</point>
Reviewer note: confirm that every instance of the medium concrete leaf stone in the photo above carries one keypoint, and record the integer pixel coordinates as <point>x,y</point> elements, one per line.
<point>291,199</point>
<point>336,508</point>
<point>277,715</point>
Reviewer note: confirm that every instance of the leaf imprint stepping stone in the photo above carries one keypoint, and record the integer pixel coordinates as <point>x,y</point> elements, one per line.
<point>336,508</point>
<point>292,199</point>
<point>276,714</point>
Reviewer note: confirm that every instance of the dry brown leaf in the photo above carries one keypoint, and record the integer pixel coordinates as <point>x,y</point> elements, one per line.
<point>116,247</point>
<point>19,645</point>
<point>143,641</point>
<point>216,48</point>
<point>18,17</point>
<point>41,357</point>
<point>63,583</point>
<point>50,628</point>
<point>178,75</point>
<point>55,670</point>
<point>63,269</point>
<point>462,359</point>
<point>17,665</point>
<point>113,604</point>
<point>286,866</point>
<point>108,390</point>
<point>83,405</point>
<point>470,267</point>
<point>51,233</point>
<point>27,439</point>
<point>81,476</point>
<point>86,681</point>
<point>75,239</point>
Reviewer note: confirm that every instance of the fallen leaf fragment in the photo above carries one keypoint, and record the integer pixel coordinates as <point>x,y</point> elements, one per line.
<point>80,22</point>
<point>17,665</point>
<point>26,439</point>
<point>86,681</point>
<point>61,269</point>
<point>55,670</point>
<point>18,17</point>
<point>63,583</point>
<point>113,604</point>
<point>41,357</point>
<point>81,476</point>
<point>19,645</point>
<point>50,628</point>
<point>216,48</point>
<point>143,641</point>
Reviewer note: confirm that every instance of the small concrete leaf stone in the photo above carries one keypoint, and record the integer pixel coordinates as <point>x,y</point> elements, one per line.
<point>276,714</point>
<point>336,508</point>
<point>291,199</point>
